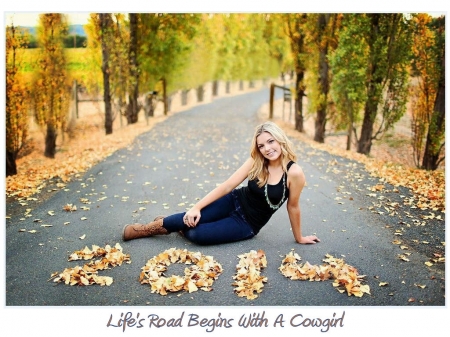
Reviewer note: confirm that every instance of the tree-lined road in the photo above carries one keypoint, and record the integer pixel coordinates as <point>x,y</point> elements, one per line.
<point>166,170</point>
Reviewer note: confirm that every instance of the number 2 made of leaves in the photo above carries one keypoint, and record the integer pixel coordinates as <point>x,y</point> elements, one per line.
<point>107,257</point>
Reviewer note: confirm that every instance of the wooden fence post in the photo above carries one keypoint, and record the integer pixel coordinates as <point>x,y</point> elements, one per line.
<point>272,91</point>
<point>75,96</point>
<point>165,103</point>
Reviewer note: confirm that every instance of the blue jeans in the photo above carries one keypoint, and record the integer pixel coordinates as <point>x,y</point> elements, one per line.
<point>222,221</point>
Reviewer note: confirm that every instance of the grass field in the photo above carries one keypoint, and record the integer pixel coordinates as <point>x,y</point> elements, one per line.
<point>80,64</point>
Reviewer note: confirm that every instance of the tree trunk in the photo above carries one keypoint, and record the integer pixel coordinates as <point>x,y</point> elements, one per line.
<point>371,106</point>
<point>349,137</point>
<point>299,87</point>
<point>50,141</point>
<point>365,140</point>
<point>350,125</point>
<point>324,85</point>
<point>215,88</point>
<point>148,106</point>
<point>436,128</point>
<point>11,168</point>
<point>105,24</point>
<point>133,106</point>
<point>298,46</point>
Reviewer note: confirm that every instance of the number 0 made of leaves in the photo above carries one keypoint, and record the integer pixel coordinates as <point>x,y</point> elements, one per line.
<point>202,272</point>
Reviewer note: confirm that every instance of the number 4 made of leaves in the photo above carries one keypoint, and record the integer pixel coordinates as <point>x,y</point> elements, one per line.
<point>107,257</point>
<point>345,277</point>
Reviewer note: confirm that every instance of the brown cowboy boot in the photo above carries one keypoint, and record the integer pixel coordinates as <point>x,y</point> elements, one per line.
<point>136,231</point>
<point>162,217</point>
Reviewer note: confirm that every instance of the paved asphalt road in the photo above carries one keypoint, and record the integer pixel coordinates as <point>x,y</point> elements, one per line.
<point>180,160</point>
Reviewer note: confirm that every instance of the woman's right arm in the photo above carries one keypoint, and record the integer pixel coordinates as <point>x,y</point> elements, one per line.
<point>226,187</point>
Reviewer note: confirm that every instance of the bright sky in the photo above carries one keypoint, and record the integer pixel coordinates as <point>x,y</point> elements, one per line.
<point>31,19</point>
<point>25,12</point>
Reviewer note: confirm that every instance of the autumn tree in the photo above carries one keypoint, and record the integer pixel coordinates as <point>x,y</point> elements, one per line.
<point>428,91</point>
<point>295,30</point>
<point>436,127</point>
<point>323,38</point>
<point>119,63</point>
<point>378,48</point>
<point>133,89</point>
<point>103,31</point>
<point>388,37</point>
<point>227,30</point>
<point>51,85</point>
<point>108,50</point>
<point>347,89</point>
<point>206,42</point>
<point>278,41</point>
<point>17,98</point>
<point>266,48</point>
<point>201,62</point>
<point>93,78</point>
<point>165,41</point>
<point>237,28</point>
<point>105,22</point>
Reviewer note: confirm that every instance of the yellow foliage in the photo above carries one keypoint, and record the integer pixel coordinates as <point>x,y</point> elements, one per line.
<point>87,275</point>
<point>249,282</point>
<point>201,273</point>
<point>346,278</point>
<point>17,93</point>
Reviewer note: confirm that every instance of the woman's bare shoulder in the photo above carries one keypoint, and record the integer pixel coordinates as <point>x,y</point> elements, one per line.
<point>295,170</point>
<point>295,174</point>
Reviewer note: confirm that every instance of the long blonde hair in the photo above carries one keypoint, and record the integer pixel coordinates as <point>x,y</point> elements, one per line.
<point>260,169</point>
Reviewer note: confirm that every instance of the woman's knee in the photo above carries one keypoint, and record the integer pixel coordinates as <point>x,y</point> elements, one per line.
<point>197,237</point>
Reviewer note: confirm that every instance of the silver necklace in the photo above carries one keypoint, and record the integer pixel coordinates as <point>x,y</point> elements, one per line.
<point>282,198</point>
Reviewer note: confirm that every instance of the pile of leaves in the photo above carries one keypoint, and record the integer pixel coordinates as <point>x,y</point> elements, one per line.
<point>346,278</point>
<point>201,273</point>
<point>88,274</point>
<point>32,180</point>
<point>73,157</point>
<point>249,282</point>
<point>428,186</point>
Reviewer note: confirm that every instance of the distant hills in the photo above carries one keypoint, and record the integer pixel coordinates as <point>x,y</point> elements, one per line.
<point>73,30</point>
<point>77,30</point>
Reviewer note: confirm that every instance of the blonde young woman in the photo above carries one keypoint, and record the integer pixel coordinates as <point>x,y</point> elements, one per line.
<point>229,213</point>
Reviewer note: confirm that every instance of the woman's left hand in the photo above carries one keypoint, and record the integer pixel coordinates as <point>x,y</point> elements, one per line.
<point>309,239</point>
<point>192,217</point>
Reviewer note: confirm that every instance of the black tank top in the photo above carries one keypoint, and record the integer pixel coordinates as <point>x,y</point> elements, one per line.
<point>253,201</point>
